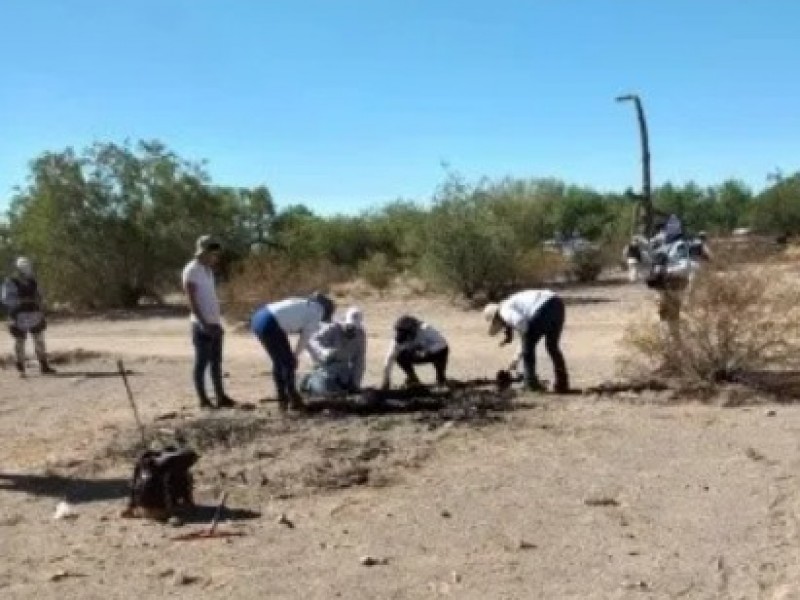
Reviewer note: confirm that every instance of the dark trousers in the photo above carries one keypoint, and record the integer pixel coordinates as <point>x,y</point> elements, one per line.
<point>548,324</point>
<point>207,352</point>
<point>284,363</point>
<point>408,358</point>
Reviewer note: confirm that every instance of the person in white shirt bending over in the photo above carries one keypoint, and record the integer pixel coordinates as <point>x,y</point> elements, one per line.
<point>207,332</point>
<point>416,343</point>
<point>534,314</point>
<point>273,323</point>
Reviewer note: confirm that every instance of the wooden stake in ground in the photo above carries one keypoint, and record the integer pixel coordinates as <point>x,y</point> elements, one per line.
<point>139,424</point>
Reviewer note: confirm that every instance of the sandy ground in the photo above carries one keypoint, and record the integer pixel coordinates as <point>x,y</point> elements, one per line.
<point>575,497</point>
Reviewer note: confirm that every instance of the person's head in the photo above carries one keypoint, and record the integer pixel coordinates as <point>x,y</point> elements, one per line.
<point>24,267</point>
<point>327,305</point>
<point>406,328</point>
<point>353,321</point>
<point>207,250</point>
<point>491,313</point>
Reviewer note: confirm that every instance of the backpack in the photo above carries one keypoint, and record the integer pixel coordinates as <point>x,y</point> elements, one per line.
<point>161,480</point>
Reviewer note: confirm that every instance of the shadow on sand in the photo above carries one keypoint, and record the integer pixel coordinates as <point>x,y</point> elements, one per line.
<point>75,490</point>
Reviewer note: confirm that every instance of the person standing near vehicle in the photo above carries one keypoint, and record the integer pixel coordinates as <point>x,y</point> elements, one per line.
<point>207,331</point>
<point>23,297</point>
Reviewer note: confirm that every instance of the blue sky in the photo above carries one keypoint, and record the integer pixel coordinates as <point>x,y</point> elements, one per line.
<point>345,104</point>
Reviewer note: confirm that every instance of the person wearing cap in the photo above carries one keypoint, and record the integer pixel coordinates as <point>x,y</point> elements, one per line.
<point>272,325</point>
<point>207,331</point>
<point>339,352</point>
<point>23,297</point>
<point>533,314</point>
<point>416,342</point>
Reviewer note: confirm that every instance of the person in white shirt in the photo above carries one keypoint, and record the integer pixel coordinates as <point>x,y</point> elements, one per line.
<point>273,323</point>
<point>416,343</point>
<point>23,297</point>
<point>339,352</point>
<point>533,314</point>
<point>207,332</point>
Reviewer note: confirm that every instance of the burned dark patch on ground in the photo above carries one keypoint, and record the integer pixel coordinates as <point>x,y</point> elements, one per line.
<point>327,448</point>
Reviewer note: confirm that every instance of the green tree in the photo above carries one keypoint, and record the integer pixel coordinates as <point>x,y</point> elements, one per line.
<point>777,209</point>
<point>115,223</point>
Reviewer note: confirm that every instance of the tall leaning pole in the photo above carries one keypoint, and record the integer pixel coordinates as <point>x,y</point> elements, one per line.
<point>646,197</point>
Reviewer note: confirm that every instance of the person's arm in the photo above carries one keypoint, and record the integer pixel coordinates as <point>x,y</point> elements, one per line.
<point>389,363</point>
<point>309,329</point>
<point>190,287</point>
<point>319,345</point>
<point>10,296</point>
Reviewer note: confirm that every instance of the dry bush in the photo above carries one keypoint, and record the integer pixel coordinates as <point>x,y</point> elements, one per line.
<point>261,279</point>
<point>536,267</point>
<point>377,271</point>
<point>733,321</point>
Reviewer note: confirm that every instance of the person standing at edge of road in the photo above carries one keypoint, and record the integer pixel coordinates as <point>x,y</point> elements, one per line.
<point>207,332</point>
<point>533,314</point>
<point>273,323</point>
<point>23,297</point>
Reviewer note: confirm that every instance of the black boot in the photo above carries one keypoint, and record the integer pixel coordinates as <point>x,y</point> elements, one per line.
<point>225,401</point>
<point>45,368</point>
<point>205,403</point>
<point>296,401</point>
<point>21,368</point>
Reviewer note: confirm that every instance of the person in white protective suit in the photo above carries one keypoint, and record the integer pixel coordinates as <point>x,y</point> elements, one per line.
<point>339,351</point>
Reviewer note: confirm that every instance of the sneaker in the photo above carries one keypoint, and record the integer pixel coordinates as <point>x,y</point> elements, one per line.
<point>20,369</point>
<point>206,404</point>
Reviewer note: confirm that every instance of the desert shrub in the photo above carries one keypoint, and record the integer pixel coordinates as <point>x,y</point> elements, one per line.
<point>732,321</point>
<point>271,277</point>
<point>376,271</point>
<point>537,267</point>
<point>586,264</point>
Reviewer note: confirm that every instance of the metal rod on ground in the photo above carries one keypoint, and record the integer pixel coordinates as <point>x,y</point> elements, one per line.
<point>217,514</point>
<point>124,375</point>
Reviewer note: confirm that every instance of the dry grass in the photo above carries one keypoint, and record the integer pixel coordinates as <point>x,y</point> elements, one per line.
<point>733,321</point>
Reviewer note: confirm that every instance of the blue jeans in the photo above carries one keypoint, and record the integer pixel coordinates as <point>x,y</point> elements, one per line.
<point>275,341</point>
<point>207,352</point>
<point>548,323</point>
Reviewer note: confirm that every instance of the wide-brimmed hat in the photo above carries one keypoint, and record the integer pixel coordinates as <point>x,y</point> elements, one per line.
<point>490,313</point>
